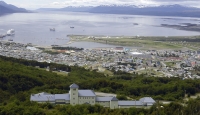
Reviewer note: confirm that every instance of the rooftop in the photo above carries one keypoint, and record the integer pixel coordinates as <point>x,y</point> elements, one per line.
<point>86,93</point>
<point>130,103</point>
<point>42,97</point>
<point>62,96</point>
<point>147,100</point>
<point>104,98</point>
<point>74,86</point>
<point>114,99</point>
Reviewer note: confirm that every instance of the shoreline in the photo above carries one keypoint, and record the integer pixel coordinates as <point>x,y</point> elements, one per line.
<point>143,42</point>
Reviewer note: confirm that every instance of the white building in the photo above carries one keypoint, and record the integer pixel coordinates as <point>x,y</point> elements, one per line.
<point>76,96</point>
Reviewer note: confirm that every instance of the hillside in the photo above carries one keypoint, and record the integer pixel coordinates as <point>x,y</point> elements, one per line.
<point>4,10</point>
<point>22,75</point>
<point>20,78</point>
<point>8,8</point>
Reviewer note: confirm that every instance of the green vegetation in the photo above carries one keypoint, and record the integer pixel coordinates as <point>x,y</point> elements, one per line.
<point>151,72</point>
<point>30,108</point>
<point>67,48</point>
<point>20,78</point>
<point>170,64</point>
<point>145,42</point>
<point>51,52</point>
<point>131,85</point>
<point>54,50</point>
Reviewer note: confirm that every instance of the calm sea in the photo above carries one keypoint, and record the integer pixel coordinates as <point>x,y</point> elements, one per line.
<point>34,27</point>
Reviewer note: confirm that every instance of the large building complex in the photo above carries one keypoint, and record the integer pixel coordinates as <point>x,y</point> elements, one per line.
<point>76,96</point>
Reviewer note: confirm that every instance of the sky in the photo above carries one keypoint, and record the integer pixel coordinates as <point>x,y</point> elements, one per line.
<point>34,4</point>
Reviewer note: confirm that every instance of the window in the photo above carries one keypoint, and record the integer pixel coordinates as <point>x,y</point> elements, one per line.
<point>73,98</point>
<point>74,89</point>
<point>73,93</point>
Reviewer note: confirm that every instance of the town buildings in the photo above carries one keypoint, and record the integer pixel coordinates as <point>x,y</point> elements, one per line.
<point>157,63</point>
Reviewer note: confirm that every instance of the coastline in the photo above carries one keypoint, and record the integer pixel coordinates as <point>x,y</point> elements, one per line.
<point>141,42</point>
<point>144,42</point>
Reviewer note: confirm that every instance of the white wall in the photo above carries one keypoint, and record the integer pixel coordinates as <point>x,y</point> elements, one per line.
<point>62,101</point>
<point>52,102</point>
<point>82,100</point>
<point>114,104</point>
<point>73,96</point>
<point>67,102</point>
<point>131,106</point>
<point>104,103</point>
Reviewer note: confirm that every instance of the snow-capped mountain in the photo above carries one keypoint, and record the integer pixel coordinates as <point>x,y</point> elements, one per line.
<point>69,9</point>
<point>167,10</point>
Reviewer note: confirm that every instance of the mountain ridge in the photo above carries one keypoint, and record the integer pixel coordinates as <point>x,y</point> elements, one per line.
<point>163,10</point>
<point>9,8</point>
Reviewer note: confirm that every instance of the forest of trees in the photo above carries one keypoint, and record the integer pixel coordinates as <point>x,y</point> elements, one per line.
<point>30,108</point>
<point>20,78</point>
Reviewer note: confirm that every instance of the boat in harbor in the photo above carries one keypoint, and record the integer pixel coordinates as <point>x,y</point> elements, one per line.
<point>10,39</point>
<point>10,32</point>
<point>54,45</point>
<point>52,29</point>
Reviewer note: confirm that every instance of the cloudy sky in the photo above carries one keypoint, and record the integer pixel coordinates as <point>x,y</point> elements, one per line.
<point>34,4</point>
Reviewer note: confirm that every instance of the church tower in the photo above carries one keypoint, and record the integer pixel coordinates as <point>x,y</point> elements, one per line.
<point>73,94</point>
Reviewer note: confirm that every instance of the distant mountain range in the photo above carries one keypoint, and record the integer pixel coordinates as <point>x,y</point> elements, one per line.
<point>168,10</point>
<point>8,8</point>
<point>68,9</point>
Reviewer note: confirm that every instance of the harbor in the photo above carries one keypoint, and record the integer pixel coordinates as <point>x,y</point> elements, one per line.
<point>10,32</point>
<point>40,30</point>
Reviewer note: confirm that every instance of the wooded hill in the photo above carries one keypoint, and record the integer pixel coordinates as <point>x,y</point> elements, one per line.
<point>20,78</point>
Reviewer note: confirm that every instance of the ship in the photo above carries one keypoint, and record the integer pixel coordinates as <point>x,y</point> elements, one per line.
<point>71,27</point>
<point>52,29</point>
<point>10,39</point>
<point>10,32</point>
